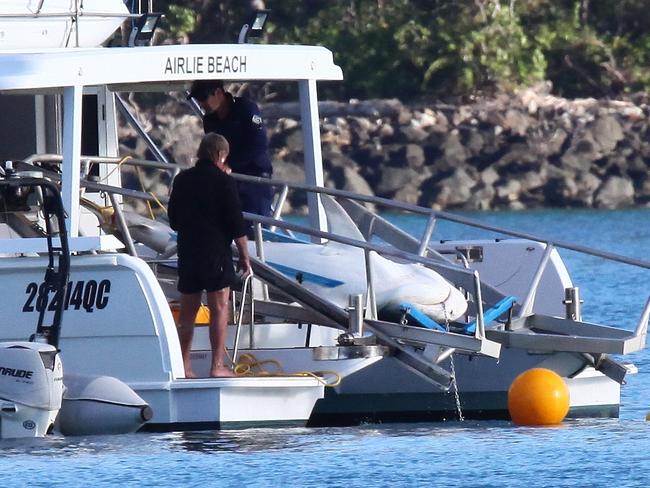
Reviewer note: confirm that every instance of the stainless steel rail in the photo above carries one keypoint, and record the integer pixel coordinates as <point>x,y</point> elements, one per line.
<point>385,202</point>
<point>432,216</point>
<point>395,205</point>
<point>68,14</point>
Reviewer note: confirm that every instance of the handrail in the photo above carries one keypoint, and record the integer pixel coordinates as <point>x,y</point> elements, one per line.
<point>529,301</point>
<point>642,326</point>
<point>445,216</point>
<point>144,163</point>
<point>479,333</point>
<point>389,251</point>
<point>257,219</point>
<point>392,204</point>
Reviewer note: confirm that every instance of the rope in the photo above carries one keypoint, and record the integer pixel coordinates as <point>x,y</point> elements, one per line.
<point>142,186</point>
<point>155,198</point>
<point>247,362</point>
<point>100,211</point>
<point>119,165</point>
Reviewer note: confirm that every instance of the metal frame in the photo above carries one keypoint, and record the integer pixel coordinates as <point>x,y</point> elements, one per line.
<point>435,261</point>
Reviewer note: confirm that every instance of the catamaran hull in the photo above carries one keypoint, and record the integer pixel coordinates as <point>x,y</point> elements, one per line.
<point>387,391</point>
<point>592,394</point>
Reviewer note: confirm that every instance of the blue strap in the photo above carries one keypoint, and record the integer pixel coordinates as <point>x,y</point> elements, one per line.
<point>493,313</point>
<point>270,236</point>
<point>305,276</point>
<point>419,317</point>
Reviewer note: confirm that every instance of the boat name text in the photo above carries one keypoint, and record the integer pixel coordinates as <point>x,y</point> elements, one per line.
<point>88,295</point>
<point>198,65</point>
<point>16,373</point>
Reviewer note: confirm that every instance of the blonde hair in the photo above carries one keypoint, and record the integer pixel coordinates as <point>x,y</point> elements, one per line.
<point>211,145</point>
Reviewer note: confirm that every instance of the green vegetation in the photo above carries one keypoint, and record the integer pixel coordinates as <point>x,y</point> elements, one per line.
<point>432,48</point>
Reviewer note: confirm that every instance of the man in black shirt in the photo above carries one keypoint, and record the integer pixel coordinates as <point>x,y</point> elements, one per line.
<point>204,209</point>
<point>239,120</point>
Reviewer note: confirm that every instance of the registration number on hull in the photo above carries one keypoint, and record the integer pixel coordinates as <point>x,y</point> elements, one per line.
<point>88,295</point>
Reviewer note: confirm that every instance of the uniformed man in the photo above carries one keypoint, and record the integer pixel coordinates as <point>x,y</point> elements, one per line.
<point>239,120</point>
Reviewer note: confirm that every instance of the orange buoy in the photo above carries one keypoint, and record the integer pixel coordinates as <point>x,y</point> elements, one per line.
<point>202,316</point>
<point>538,396</point>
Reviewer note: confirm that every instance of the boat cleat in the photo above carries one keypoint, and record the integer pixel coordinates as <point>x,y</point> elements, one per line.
<point>352,351</point>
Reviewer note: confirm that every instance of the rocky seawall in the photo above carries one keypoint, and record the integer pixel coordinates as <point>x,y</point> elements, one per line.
<point>526,149</point>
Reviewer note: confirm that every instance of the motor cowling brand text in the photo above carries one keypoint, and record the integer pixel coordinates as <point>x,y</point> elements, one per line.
<point>16,373</point>
<point>88,295</point>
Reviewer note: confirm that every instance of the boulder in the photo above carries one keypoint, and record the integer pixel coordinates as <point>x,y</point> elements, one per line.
<point>606,132</point>
<point>615,192</point>
<point>394,178</point>
<point>511,150</point>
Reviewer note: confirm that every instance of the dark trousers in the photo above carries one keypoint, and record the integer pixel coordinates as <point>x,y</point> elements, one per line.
<point>255,199</point>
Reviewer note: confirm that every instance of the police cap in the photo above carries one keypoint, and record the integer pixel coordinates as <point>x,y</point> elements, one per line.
<point>201,89</point>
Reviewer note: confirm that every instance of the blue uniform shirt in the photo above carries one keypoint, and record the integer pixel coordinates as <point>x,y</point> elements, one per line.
<point>245,131</point>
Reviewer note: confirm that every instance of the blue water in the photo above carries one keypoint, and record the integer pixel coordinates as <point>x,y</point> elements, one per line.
<point>613,452</point>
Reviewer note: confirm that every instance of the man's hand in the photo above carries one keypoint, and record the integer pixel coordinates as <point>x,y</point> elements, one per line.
<point>245,266</point>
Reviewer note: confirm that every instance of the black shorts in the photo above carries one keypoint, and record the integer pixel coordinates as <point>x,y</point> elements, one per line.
<point>209,275</point>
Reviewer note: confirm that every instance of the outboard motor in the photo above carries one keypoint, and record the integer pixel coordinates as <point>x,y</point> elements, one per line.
<point>31,389</point>
<point>31,374</point>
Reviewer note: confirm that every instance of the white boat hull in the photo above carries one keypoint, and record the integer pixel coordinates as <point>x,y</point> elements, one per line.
<point>387,391</point>
<point>117,323</point>
<point>379,389</point>
<point>230,403</point>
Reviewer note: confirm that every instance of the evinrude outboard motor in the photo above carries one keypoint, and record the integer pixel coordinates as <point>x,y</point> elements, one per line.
<point>31,388</point>
<point>31,374</point>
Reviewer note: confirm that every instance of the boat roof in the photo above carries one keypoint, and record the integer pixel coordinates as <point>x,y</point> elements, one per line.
<point>162,68</point>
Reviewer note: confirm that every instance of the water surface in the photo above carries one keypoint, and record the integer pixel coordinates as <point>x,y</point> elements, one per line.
<point>593,452</point>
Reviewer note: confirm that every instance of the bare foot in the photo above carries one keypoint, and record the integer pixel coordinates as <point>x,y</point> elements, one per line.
<point>190,375</point>
<point>222,372</point>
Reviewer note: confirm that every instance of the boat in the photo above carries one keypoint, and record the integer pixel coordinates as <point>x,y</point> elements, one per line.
<point>302,321</point>
<point>36,397</point>
<point>31,24</point>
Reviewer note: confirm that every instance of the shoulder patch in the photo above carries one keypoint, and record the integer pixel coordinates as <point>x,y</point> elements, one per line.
<point>257,120</point>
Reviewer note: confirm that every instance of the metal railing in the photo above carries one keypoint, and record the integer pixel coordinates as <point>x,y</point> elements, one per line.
<point>367,247</point>
<point>436,262</point>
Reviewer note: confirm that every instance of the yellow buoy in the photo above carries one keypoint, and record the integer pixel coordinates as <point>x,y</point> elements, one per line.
<point>647,417</point>
<point>538,396</point>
